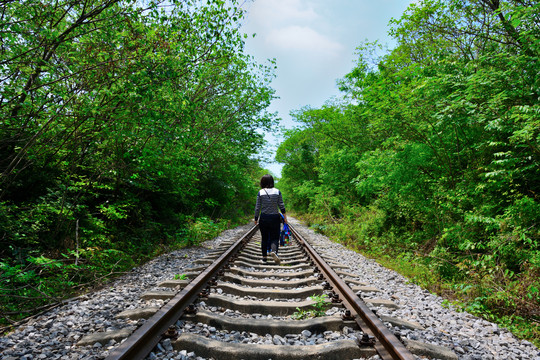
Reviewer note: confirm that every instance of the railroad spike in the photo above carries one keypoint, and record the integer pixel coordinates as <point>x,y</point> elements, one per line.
<point>171,333</point>
<point>347,316</point>
<point>191,309</point>
<point>366,340</point>
<point>205,292</point>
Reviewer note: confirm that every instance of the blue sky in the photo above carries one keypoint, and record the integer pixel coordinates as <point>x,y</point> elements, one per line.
<point>313,42</point>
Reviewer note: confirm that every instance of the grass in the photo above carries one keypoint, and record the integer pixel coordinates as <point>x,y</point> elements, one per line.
<point>317,309</point>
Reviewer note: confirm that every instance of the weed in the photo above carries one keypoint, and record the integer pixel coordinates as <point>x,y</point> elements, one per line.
<point>318,309</point>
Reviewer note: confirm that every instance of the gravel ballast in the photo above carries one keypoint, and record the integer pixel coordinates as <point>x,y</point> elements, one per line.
<point>54,335</point>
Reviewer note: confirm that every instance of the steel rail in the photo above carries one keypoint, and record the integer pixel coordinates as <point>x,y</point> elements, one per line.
<point>141,342</point>
<point>391,346</point>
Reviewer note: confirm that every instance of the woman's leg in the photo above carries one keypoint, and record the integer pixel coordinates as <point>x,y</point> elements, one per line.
<point>273,237</point>
<point>263,227</point>
<point>273,234</point>
<point>264,243</point>
<point>269,226</point>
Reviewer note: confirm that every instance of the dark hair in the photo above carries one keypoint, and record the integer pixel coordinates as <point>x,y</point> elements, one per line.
<point>267,181</point>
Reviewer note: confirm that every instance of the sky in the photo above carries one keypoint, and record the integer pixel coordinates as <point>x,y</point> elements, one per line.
<point>313,42</point>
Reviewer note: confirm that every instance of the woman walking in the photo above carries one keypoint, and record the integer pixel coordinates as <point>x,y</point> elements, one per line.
<point>269,204</point>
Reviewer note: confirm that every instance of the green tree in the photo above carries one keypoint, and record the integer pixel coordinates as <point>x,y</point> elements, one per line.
<point>121,123</point>
<point>433,149</point>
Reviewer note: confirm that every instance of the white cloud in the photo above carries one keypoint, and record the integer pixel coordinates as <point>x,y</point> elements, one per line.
<point>302,38</point>
<point>272,12</point>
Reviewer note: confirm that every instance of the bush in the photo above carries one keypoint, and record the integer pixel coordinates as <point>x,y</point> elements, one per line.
<point>204,228</point>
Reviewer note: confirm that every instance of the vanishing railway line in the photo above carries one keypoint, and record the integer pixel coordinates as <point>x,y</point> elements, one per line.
<point>233,296</point>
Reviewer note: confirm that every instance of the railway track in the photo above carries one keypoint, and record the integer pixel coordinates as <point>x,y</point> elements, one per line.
<point>233,306</point>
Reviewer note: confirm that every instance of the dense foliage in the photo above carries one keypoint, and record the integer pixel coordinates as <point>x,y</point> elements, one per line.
<point>433,152</point>
<point>124,126</point>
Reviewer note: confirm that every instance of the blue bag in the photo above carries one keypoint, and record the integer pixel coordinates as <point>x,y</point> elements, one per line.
<point>284,236</point>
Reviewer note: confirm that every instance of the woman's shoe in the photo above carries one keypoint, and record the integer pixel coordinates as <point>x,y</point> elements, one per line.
<point>276,258</point>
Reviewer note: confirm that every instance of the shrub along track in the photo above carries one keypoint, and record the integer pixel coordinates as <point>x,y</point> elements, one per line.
<point>245,310</point>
